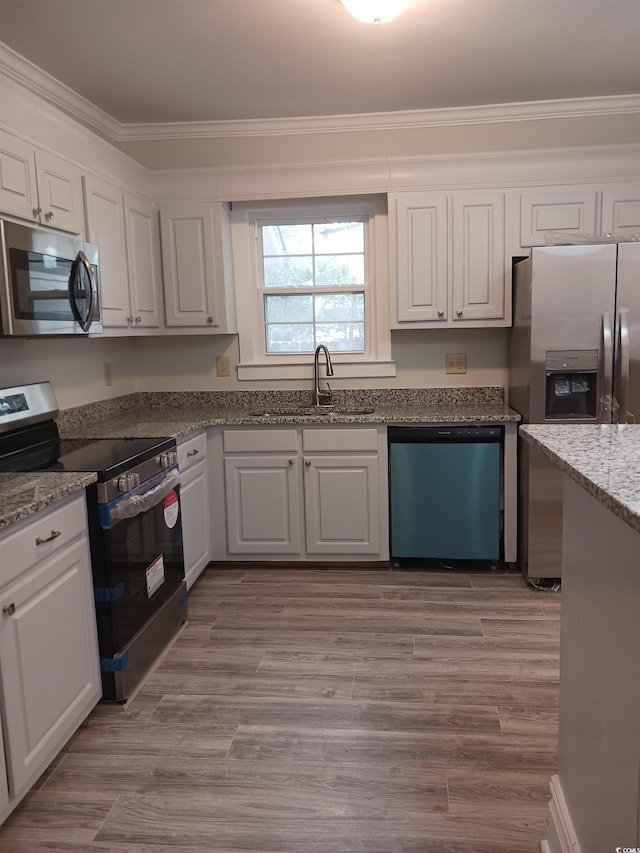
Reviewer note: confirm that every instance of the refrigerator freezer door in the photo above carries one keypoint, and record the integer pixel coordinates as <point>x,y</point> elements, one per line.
<point>627,373</point>
<point>572,288</point>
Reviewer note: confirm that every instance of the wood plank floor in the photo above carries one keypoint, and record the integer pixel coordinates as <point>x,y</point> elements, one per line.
<point>322,711</point>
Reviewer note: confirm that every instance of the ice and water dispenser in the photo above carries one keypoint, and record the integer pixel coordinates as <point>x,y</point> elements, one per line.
<point>571,385</point>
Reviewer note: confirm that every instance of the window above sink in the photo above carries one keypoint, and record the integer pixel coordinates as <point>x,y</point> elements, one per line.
<point>309,272</point>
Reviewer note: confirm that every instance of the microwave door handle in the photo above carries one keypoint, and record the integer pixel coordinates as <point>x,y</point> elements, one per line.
<point>623,339</point>
<point>82,261</point>
<point>607,362</point>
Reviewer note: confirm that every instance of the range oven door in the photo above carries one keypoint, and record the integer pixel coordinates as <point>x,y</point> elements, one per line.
<point>137,559</point>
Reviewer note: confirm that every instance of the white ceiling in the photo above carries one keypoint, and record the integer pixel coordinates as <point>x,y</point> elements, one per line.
<point>145,61</point>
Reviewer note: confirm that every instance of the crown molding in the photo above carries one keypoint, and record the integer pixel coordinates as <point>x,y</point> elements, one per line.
<point>53,92</point>
<point>401,120</point>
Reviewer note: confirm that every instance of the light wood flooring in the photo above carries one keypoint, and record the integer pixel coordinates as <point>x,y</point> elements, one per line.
<point>322,711</point>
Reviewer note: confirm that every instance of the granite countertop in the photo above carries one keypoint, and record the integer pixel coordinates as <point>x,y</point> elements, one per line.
<point>23,495</point>
<point>603,459</point>
<point>180,414</point>
<point>181,422</point>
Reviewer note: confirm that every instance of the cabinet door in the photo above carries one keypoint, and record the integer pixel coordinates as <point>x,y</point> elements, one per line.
<point>143,262</point>
<point>478,257</point>
<point>194,497</point>
<point>60,193</point>
<point>342,504</point>
<point>49,665</point>
<point>189,265</point>
<point>263,504</point>
<point>568,211</point>
<point>105,227</point>
<point>621,212</point>
<point>4,787</point>
<point>18,188</point>
<point>419,257</point>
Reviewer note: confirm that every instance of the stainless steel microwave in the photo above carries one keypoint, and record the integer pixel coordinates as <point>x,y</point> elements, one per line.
<point>49,283</point>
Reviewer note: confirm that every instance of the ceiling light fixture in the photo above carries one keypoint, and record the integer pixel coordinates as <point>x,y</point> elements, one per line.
<point>375,11</point>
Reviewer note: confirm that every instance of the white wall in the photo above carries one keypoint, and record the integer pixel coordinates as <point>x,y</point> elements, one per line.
<point>76,366</point>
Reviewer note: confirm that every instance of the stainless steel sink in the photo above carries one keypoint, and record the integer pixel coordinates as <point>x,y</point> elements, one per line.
<point>310,411</point>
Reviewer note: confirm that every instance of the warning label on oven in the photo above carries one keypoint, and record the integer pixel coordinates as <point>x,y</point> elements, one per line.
<point>155,575</point>
<point>171,508</point>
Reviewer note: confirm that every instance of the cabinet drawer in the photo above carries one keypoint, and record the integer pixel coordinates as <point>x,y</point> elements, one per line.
<point>39,536</point>
<point>337,440</point>
<point>192,451</point>
<point>259,440</point>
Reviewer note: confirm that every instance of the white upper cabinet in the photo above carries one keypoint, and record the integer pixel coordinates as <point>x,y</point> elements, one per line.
<point>197,268</point>
<point>567,210</point>
<point>143,260</point>
<point>125,230</point>
<point>39,186</point>
<point>621,212</point>
<point>447,259</point>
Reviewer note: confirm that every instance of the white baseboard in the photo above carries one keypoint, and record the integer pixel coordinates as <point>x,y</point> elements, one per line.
<point>562,836</point>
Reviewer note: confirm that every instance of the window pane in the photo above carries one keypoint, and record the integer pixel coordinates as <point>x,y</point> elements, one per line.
<point>290,337</point>
<point>335,270</point>
<point>287,239</point>
<point>288,272</point>
<point>288,309</point>
<point>339,306</point>
<point>342,337</point>
<point>331,237</point>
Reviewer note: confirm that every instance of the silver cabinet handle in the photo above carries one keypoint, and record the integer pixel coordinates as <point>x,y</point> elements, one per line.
<point>48,215</point>
<point>440,313</point>
<point>37,211</point>
<point>292,462</point>
<point>130,318</point>
<point>459,312</point>
<point>138,319</point>
<point>54,535</point>
<point>307,462</point>
<point>9,609</point>
<point>209,319</point>
<point>193,452</point>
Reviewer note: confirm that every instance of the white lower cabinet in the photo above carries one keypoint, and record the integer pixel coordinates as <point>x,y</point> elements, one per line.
<point>194,498</point>
<point>49,662</point>
<point>310,493</point>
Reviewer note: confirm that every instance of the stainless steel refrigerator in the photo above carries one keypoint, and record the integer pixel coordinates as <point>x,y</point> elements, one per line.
<point>574,357</point>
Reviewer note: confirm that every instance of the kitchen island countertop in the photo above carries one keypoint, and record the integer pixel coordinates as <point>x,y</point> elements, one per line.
<point>604,459</point>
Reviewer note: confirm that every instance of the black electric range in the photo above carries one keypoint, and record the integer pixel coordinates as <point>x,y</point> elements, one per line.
<point>135,530</point>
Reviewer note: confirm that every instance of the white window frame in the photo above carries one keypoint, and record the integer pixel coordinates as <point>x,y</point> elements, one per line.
<point>255,362</point>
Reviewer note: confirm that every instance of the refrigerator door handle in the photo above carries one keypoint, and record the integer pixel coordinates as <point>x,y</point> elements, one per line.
<point>623,341</point>
<point>607,366</point>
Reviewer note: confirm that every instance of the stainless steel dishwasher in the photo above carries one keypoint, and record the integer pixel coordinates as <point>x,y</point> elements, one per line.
<point>445,486</point>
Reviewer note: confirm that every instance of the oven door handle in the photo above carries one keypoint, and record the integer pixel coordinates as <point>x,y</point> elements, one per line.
<point>135,504</point>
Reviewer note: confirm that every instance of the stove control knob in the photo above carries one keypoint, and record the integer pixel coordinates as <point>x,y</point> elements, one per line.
<point>168,459</point>
<point>127,482</point>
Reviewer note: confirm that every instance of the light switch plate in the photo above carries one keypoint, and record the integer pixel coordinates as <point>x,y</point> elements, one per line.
<point>456,362</point>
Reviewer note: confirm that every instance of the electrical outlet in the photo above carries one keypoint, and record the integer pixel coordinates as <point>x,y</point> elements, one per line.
<point>107,373</point>
<point>222,366</point>
<point>456,362</point>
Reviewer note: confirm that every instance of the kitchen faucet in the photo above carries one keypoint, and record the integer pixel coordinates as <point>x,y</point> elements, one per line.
<point>321,398</point>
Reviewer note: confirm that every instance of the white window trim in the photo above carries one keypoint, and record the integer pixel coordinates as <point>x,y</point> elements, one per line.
<point>254,363</point>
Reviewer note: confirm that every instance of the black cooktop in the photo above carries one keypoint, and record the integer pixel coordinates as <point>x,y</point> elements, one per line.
<point>39,448</point>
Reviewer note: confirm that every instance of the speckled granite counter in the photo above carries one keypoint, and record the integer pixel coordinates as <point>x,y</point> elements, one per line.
<point>22,495</point>
<point>604,460</point>
<point>181,413</point>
